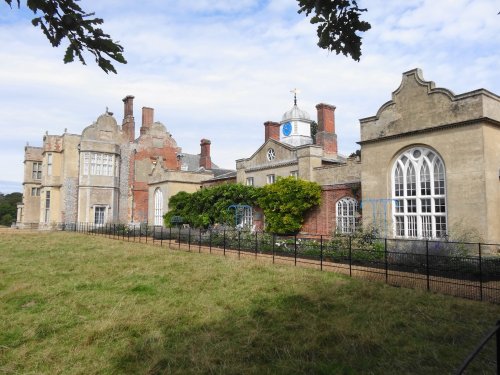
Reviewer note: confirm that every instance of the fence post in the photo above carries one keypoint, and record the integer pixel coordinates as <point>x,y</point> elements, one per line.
<point>146,232</point>
<point>498,347</point>
<point>386,263</point>
<point>170,237</point>
<point>350,256</point>
<point>239,244</point>
<point>274,242</point>
<point>199,240</point>
<point>321,253</point>
<point>154,232</point>
<point>224,242</point>
<point>427,264</point>
<point>256,244</point>
<point>161,236</point>
<point>189,238</point>
<point>210,241</point>
<point>295,248</point>
<point>481,284</point>
<point>179,239</point>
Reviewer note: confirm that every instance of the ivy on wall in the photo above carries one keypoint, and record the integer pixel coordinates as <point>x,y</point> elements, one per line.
<point>284,204</point>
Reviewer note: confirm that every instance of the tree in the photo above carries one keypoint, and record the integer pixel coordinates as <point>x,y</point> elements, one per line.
<point>339,23</point>
<point>210,205</point>
<point>8,207</point>
<point>286,202</point>
<point>65,19</point>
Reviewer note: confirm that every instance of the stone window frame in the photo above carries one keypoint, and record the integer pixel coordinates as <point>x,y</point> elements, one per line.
<point>271,179</point>
<point>347,215</point>
<point>47,207</point>
<point>418,184</point>
<point>50,160</point>
<point>271,154</point>
<point>100,214</point>
<point>35,191</point>
<point>249,181</point>
<point>99,164</point>
<point>37,170</point>
<point>158,206</point>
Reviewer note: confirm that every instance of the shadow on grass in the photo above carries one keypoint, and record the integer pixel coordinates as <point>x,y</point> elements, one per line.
<point>272,336</point>
<point>299,333</point>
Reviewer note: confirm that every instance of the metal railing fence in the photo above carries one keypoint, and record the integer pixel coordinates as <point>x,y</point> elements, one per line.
<point>469,270</point>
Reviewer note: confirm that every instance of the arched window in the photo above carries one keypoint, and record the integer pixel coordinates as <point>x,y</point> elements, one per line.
<point>347,209</point>
<point>158,198</point>
<point>419,195</point>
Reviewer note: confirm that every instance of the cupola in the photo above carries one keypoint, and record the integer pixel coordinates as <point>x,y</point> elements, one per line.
<point>295,125</point>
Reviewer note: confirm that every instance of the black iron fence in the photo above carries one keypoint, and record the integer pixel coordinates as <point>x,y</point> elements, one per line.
<point>470,270</point>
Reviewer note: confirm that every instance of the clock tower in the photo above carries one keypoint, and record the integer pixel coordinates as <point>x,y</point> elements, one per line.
<point>295,126</point>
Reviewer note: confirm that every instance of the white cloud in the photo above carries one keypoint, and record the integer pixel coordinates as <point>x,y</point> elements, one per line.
<point>219,69</point>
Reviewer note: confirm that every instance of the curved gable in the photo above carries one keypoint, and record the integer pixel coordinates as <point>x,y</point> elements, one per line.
<point>417,105</point>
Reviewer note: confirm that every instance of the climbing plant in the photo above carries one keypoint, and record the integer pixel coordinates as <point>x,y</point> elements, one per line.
<point>286,202</point>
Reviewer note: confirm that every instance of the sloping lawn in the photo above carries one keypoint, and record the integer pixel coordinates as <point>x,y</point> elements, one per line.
<point>77,304</point>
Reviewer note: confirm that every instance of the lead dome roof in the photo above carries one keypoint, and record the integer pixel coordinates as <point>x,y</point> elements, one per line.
<point>296,114</point>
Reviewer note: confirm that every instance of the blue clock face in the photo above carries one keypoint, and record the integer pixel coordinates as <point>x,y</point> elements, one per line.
<point>287,129</point>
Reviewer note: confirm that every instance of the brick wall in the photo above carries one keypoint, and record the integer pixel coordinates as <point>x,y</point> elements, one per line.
<point>322,219</point>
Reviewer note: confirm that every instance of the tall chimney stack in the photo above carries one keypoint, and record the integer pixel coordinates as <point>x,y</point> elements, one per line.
<point>128,125</point>
<point>147,118</point>
<point>205,160</point>
<point>325,136</point>
<point>272,130</point>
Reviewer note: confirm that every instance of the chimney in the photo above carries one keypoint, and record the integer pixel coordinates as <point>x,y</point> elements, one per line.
<point>205,160</point>
<point>128,125</point>
<point>272,130</point>
<point>147,118</point>
<point>325,136</point>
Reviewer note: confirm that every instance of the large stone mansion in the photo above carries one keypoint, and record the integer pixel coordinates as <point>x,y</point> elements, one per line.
<point>430,167</point>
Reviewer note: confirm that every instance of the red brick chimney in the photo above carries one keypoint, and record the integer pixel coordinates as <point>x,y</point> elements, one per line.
<point>272,130</point>
<point>326,137</point>
<point>147,118</point>
<point>205,160</point>
<point>128,125</point>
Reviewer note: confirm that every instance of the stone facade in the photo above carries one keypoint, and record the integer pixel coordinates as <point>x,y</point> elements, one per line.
<point>318,162</point>
<point>463,131</point>
<point>104,175</point>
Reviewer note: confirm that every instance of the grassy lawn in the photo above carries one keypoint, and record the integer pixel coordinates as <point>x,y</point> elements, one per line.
<point>75,304</point>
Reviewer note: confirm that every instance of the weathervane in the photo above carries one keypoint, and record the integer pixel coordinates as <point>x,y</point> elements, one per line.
<point>295,92</point>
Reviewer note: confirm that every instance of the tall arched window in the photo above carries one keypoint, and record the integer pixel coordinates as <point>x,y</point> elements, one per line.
<point>347,209</point>
<point>158,198</point>
<point>419,195</point>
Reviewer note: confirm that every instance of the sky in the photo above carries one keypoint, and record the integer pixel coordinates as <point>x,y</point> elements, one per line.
<point>219,69</point>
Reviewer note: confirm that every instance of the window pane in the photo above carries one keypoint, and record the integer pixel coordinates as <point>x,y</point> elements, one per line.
<point>425,180</point>
<point>400,226</point>
<point>411,184</point>
<point>398,181</point>
<point>426,205</point>
<point>346,215</point>
<point>420,209</point>
<point>412,205</point>
<point>426,226</point>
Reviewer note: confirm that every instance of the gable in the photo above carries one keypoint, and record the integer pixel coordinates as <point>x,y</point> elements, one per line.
<point>284,154</point>
<point>418,105</point>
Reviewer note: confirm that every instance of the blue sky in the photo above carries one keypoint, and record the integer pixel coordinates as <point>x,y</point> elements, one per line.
<point>219,69</point>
